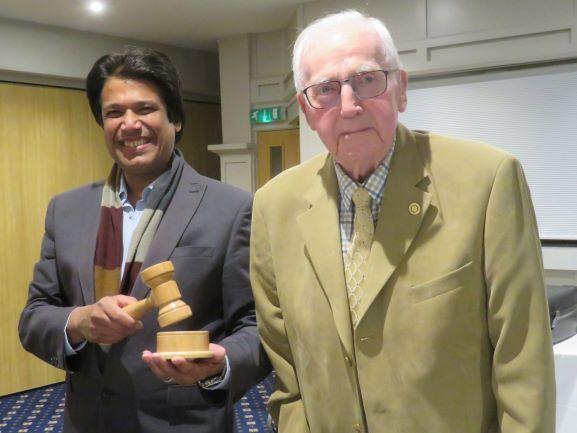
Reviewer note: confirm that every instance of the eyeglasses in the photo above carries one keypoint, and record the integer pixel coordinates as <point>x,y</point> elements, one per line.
<point>365,85</point>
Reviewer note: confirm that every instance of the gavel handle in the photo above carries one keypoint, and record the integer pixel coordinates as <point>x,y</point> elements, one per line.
<point>137,310</point>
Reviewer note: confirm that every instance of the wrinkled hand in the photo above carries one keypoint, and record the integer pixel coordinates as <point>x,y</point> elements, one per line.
<point>103,322</point>
<point>186,372</point>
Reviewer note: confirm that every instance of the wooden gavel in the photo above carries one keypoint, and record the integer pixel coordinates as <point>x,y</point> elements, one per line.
<point>164,294</point>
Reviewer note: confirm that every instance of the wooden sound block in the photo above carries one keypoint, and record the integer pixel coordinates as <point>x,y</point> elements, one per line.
<point>187,344</point>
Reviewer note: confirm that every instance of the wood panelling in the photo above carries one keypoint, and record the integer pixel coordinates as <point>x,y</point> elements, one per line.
<point>201,128</point>
<point>49,143</point>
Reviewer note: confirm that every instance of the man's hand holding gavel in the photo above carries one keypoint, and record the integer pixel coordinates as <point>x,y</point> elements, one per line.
<point>104,322</point>
<point>186,372</point>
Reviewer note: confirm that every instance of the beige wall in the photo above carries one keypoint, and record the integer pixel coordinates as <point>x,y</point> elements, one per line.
<point>234,64</point>
<point>51,55</point>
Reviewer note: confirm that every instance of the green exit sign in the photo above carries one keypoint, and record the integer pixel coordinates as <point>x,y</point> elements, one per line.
<point>267,115</point>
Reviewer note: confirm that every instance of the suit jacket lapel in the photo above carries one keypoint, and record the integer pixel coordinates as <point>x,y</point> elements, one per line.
<point>319,226</point>
<point>89,219</point>
<point>180,211</point>
<point>404,206</point>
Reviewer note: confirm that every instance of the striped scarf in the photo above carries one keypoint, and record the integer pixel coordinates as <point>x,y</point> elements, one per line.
<point>109,248</point>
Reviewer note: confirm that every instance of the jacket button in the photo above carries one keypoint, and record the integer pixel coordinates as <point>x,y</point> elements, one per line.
<point>414,208</point>
<point>357,427</point>
<point>348,360</point>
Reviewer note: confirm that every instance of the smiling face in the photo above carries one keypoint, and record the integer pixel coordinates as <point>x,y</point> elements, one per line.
<point>138,134</point>
<point>357,132</point>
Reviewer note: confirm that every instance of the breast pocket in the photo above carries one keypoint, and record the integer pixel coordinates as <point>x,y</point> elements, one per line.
<point>193,251</point>
<point>443,284</point>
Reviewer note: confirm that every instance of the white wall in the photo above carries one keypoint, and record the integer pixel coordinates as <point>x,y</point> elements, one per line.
<point>560,265</point>
<point>266,47</point>
<point>51,55</point>
<point>529,113</point>
<point>311,144</point>
<point>439,37</point>
<point>435,36</point>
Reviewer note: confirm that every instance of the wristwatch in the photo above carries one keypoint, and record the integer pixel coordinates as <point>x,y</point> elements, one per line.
<point>212,381</point>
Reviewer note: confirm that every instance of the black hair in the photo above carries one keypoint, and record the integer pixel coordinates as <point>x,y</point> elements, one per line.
<point>141,64</point>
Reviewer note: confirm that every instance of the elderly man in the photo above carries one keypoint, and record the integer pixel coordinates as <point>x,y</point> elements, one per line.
<point>398,278</point>
<point>153,207</point>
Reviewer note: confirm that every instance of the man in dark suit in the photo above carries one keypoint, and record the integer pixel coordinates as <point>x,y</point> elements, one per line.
<point>153,207</point>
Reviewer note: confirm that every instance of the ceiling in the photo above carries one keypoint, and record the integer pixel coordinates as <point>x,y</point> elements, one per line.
<point>185,23</point>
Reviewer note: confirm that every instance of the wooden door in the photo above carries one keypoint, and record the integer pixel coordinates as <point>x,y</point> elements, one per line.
<point>201,128</point>
<point>49,143</point>
<point>277,151</point>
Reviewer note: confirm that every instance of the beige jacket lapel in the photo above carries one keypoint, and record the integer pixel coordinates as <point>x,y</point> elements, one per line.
<point>319,226</point>
<point>409,184</point>
<point>406,200</point>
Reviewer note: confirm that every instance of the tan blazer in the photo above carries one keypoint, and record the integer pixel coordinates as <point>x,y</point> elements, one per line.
<point>453,335</point>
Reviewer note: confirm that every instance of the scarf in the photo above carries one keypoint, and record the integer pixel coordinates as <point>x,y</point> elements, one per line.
<point>109,247</point>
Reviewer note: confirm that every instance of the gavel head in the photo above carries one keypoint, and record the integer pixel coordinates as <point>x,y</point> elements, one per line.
<point>165,294</point>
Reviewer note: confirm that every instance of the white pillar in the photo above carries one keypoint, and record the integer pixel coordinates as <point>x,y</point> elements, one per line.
<point>237,164</point>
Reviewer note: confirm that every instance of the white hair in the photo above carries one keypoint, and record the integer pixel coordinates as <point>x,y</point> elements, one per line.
<point>333,22</point>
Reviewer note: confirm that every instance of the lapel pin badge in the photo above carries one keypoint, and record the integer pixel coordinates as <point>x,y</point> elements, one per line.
<point>414,208</point>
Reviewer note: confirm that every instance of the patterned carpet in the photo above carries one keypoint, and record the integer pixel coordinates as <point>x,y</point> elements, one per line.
<point>40,410</point>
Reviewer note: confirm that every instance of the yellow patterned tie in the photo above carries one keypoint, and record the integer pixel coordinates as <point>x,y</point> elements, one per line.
<point>357,257</point>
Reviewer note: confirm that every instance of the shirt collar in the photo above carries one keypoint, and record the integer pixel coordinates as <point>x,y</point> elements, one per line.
<point>123,191</point>
<point>375,184</point>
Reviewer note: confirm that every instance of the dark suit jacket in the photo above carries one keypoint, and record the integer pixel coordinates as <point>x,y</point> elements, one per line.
<point>205,233</point>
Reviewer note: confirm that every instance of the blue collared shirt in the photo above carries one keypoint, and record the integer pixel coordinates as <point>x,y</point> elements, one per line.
<point>130,216</point>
